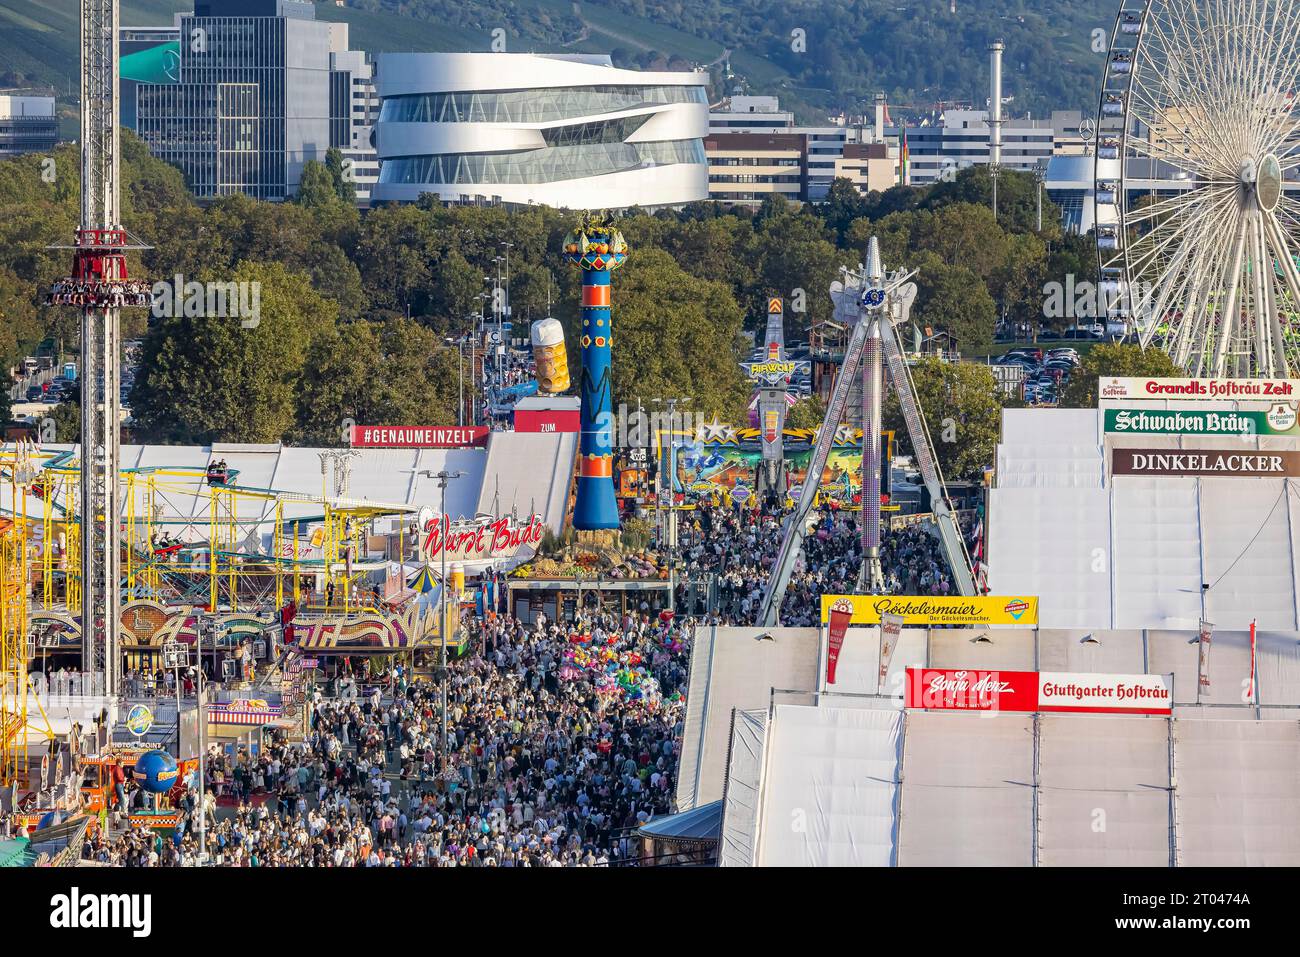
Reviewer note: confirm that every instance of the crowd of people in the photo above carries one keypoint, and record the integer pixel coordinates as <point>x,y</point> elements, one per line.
<point>562,739</point>
<point>737,544</point>
<point>84,292</point>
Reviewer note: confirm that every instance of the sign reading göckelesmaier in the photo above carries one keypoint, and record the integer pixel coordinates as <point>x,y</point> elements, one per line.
<point>1133,387</point>
<point>947,610</point>
<point>1281,419</point>
<point>1205,462</point>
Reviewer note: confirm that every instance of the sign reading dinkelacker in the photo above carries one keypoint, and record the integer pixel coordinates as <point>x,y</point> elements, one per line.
<point>1205,462</point>
<point>1133,387</point>
<point>949,689</point>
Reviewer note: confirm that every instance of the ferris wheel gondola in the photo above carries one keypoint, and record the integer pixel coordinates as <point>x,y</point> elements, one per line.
<point>1196,142</point>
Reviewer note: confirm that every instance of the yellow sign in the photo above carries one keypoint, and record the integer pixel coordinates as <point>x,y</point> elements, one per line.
<point>936,610</point>
<point>774,305</point>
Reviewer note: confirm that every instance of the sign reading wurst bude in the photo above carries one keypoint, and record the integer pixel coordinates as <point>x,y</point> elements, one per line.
<point>1205,462</point>
<point>930,610</point>
<point>1281,419</point>
<point>1132,387</point>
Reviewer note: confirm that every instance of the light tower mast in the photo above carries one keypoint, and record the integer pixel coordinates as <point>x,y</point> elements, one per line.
<point>99,287</point>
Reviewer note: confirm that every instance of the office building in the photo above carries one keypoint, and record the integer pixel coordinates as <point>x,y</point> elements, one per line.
<point>827,152</point>
<point>569,131</point>
<point>745,168</point>
<point>241,94</point>
<point>27,123</point>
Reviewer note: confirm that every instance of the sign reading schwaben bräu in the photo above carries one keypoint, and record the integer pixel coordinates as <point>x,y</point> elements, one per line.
<point>1281,419</point>
<point>1208,462</point>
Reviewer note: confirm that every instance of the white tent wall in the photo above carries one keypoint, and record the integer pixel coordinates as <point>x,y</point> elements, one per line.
<point>1246,540</point>
<point>1006,649</point>
<point>1157,560</point>
<point>744,781</point>
<point>528,472</point>
<point>1103,791</point>
<point>735,668</point>
<point>1107,652</point>
<point>857,671</point>
<point>1052,466</point>
<point>1237,802</point>
<point>1036,426</point>
<point>968,796</point>
<point>1036,547</point>
<point>833,802</point>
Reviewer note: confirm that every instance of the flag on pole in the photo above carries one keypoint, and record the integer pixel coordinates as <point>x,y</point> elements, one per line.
<point>840,616</point>
<point>891,627</point>
<point>905,165</point>
<point>1254,690</point>
<point>1203,660</point>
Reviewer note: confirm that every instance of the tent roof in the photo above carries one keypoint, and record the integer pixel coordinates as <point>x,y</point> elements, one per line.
<point>703,823</point>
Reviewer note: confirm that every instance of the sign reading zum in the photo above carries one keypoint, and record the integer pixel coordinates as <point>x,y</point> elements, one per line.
<point>1281,419</point>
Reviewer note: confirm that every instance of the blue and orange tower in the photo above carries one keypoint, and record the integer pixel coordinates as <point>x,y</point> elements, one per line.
<point>597,248</point>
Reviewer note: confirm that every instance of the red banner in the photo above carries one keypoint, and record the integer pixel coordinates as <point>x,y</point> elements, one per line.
<point>957,690</point>
<point>838,623</point>
<point>547,420</point>
<point>418,436</point>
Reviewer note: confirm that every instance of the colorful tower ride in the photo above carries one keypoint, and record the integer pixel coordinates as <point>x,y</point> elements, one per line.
<point>597,248</point>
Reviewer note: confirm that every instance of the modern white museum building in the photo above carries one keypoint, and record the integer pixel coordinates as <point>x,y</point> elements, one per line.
<point>569,131</point>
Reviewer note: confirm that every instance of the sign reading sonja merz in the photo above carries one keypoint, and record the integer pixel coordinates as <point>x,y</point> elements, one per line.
<point>1185,389</point>
<point>1205,462</point>
<point>947,689</point>
<point>1281,419</point>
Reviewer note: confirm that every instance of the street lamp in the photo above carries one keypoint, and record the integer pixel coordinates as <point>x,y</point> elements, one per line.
<point>443,477</point>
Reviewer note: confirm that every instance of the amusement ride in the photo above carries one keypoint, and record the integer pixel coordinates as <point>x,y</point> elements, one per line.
<point>1197,237</point>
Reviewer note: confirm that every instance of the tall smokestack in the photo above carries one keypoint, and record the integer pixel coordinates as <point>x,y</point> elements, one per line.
<point>995,102</point>
<point>880,118</point>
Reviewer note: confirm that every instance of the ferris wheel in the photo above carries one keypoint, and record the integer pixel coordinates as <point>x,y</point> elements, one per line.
<point>1198,226</point>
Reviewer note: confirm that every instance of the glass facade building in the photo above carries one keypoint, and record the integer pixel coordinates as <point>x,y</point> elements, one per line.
<point>563,130</point>
<point>254,98</point>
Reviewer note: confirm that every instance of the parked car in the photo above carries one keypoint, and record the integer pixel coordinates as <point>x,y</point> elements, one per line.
<point>34,393</point>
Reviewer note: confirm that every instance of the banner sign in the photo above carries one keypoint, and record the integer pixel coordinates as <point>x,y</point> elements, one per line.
<point>891,627</point>
<point>1191,389</point>
<point>1281,419</point>
<point>251,712</point>
<point>547,420</point>
<point>1026,691</point>
<point>477,541</point>
<point>418,436</point>
<point>840,614</point>
<point>1207,462</point>
<point>1203,660</point>
<point>926,610</point>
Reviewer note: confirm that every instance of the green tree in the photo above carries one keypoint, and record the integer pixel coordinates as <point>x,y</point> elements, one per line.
<point>67,421</point>
<point>962,411</point>
<point>317,186</point>
<point>954,299</point>
<point>344,185</point>
<point>807,413</point>
<point>1105,360</point>
<point>217,379</point>
<point>674,335</point>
